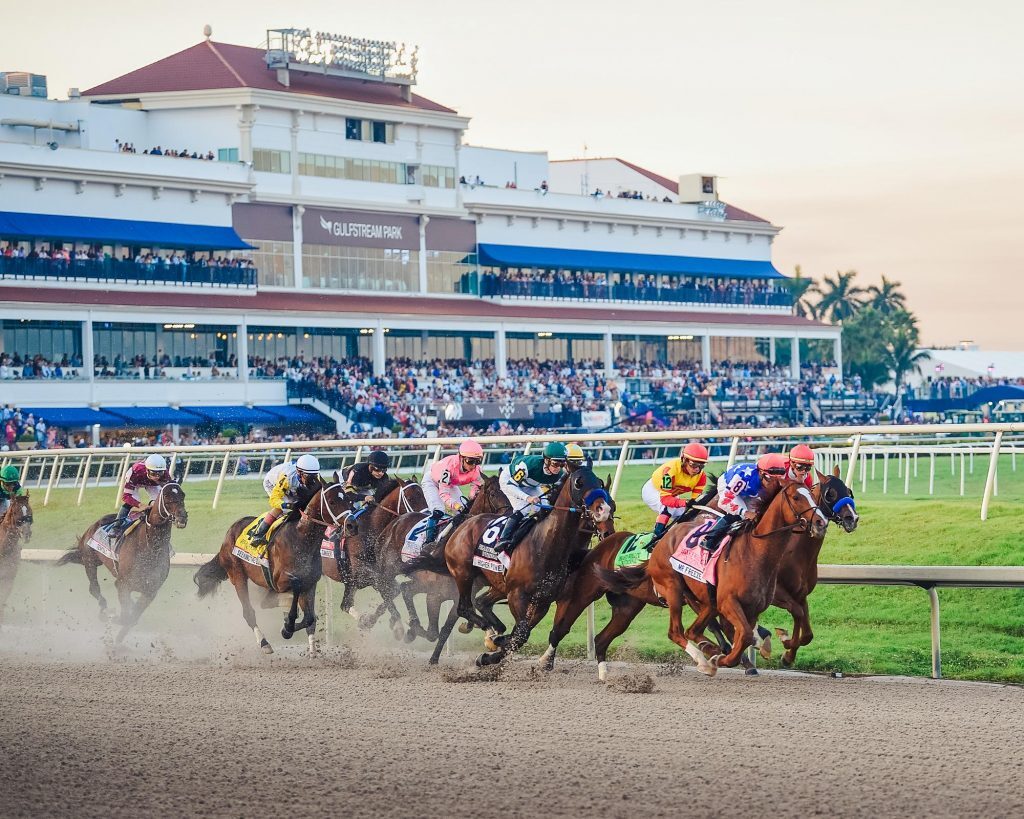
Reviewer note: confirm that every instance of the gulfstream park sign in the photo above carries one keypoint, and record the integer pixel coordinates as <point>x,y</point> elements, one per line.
<point>361,230</point>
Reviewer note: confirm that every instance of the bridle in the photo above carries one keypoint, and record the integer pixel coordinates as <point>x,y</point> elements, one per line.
<point>162,513</point>
<point>836,508</point>
<point>404,505</point>
<point>336,519</point>
<point>802,524</point>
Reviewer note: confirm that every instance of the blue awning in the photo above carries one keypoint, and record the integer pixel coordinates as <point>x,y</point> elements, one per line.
<point>233,415</point>
<point>73,417</point>
<point>556,258</point>
<point>296,414</point>
<point>155,416</point>
<point>122,231</point>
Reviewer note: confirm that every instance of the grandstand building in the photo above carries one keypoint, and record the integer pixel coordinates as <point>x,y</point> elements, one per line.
<point>231,204</point>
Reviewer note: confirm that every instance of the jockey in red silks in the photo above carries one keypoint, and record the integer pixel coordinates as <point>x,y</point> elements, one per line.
<point>801,465</point>
<point>442,484</point>
<point>145,475</point>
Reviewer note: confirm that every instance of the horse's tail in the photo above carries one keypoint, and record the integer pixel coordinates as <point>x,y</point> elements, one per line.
<point>210,574</point>
<point>426,563</point>
<point>620,580</point>
<point>72,555</point>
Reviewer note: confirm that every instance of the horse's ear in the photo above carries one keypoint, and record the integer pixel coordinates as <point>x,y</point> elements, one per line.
<point>836,471</point>
<point>590,462</point>
<point>336,477</point>
<point>608,481</point>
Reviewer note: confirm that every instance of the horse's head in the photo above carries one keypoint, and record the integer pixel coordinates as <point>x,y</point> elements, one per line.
<point>490,498</point>
<point>19,516</point>
<point>836,499</point>
<point>327,506</point>
<point>586,490</point>
<point>411,498</point>
<point>799,509</point>
<point>170,505</point>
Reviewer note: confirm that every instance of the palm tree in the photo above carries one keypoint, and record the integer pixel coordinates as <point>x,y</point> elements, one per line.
<point>902,353</point>
<point>886,298</point>
<point>801,288</point>
<point>840,297</point>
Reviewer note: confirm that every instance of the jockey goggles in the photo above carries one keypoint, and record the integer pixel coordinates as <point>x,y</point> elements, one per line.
<point>471,461</point>
<point>801,467</point>
<point>377,470</point>
<point>689,463</point>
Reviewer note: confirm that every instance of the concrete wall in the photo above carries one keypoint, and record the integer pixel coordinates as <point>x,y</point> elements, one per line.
<point>496,166</point>
<point>609,175</point>
<point>141,393</point>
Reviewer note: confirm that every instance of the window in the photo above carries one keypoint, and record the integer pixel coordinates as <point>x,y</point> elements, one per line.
<point>707,184</point>
<point>369,130</point>
<point>353,129</point>
<point>227,154</point>
<point>270,161</point>
<point>380,132</point>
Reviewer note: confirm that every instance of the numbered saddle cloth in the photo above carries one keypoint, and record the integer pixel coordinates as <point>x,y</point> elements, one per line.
<point>691,560</point>
<point>103,540</point>
<point>634,550</point>
<point>417,537</point>
<point>256,555</point>
<point>485,556</point>
<point>332,538</point>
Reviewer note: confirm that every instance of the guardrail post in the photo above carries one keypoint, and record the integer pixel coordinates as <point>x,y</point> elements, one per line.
<point>850,474</point>
<point>906,476</point>
<point>993,465</point>
<point>49,483</point>
<point>99,471</point>
<point>963,473</point>
<point>121,478</point>
<point>933,597</point>
<point>931,473</point>
<point>220,480</point>
<point>617,477</point>
<point>733,449</point>
<point>24,470</point>
<point>885,473</point>
<point>872,467</point>
<point>85,477</point>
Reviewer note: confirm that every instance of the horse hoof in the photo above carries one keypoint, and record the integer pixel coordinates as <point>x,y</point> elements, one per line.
<point>409,636</point>
<point>489,643</point>
<point>781,633</point>
<point>266,648</point>
<point>465,628</point>
<point>716,660</point>
<point>286,633</point>
<point>751,672</point>
<point>602,671</point>
<point>707,669</point>
<point>481,661</point>
<point>766,648</point>
<point>398,632</point>
<point>787,661</point>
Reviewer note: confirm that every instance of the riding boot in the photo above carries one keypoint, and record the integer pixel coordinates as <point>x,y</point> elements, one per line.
<point>508,532</point>
<point>432,521</point>
<point>257,537</point>
<point>714,537</point>
<point>118,525</point>
<point>660,525</point>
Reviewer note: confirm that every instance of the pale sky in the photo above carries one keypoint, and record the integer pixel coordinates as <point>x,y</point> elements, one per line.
<point>883,137</point>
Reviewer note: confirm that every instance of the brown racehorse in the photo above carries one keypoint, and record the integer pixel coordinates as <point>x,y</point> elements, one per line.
<point>798,574</point>
<point>15,527</point>
<point>294,556</point>
<point>437,587</point>
<point>143,560</point>
<point>539,564</point>
<point>747,574</point>
<point>358,566</point>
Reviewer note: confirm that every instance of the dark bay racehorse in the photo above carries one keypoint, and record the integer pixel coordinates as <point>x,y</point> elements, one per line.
<point>539,564</point>
<point>747,574</point>
<point>15,528</point>
<point>143,560</point>
<point>294,557</point>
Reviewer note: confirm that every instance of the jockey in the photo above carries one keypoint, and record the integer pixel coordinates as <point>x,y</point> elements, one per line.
<point>363,479</point>
<point>676,485</point>
<point>742,492</point>
<point>442,481</point>
<point>295,486</point>
<point>525,482</point>
<point>801,465</point>
<point>575,457</point>
<point>10,487</point>
<point>146,474</point>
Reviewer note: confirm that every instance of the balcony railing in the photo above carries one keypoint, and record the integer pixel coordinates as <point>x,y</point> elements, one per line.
<point>117,270</point>
<point>490,286</point>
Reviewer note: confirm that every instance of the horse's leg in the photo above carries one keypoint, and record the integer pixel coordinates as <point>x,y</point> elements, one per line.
<point>415,627</point>
<point>716,629</point>
<point>94,583</point>
<point>743,631</point>
<point>434,601</point>
<point>464,582</point>
<point>528,613</point>
<point>293,614</point>
<point>240,581</point>
<point>445,633</point>
<point>386,589</point>
<point>706,613</point>
<point>124,599</point>
<point>568,609</point>
<point>136,609</point>
<point>802,633</point>
<point>675,598</point>
<point>309,618</point>
<point>496,629</point>
<point>8,570</point>
<point>348,598</point>
<point>624,610</point>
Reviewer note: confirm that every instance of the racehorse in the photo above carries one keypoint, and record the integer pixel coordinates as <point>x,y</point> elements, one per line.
<point>293,555</point>
<point>15,527</point>
<point>798,574</point>
<point>538,567</point>
<point>746,575</point>
<point>143,559</point>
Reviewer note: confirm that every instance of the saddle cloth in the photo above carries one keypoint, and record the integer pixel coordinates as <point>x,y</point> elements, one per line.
<point>691,560</point>
<point>331,536</point>
<point>417,537</point>
<point>633,551</point>
<point>484,556</point>
<point>100,540</point>
<point>256,555</point>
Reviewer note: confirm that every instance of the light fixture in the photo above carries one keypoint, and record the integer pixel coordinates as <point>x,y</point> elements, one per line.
<point>680,338</point>
<point>544,335</point>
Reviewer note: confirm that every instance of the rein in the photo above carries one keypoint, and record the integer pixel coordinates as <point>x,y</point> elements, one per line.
<point>163,516</point>
<point>801,525</point>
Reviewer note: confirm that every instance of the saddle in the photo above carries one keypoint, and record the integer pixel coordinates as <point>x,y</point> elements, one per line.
<point>634,550</point>
<point>485,555</point>
<point>107,541</point>
<point>257,555</point>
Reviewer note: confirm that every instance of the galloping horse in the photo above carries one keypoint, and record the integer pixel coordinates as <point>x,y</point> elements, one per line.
<point>538,567</point>
<point>798,574</point>
<point>294,565</point>
<point>747,573</point>
<point>15,527</point>
<point>143,560</point>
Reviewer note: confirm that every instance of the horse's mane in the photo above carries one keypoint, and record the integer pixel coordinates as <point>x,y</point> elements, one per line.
<point>385,489</point>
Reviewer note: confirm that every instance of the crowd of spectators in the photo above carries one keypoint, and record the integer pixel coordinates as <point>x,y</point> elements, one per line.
<point>183,153</point>
<point>25,429</point>
<point>96,253</point>
<point>14,366</point>
<point>568,284</point>
<point>959,387</point>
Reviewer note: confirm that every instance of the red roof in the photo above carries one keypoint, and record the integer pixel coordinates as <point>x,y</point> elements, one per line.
<point>210,65</point>
<point>375,306</point>
<point>731,212</point>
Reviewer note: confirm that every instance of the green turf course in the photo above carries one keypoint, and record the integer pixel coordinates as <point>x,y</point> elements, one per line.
<point>857,629</point>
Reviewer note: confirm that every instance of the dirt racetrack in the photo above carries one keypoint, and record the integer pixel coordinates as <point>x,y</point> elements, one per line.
<point>145,732</point>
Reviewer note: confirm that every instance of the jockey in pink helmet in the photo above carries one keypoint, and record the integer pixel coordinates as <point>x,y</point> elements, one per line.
<point>442,483</point>
<point>800,465</point>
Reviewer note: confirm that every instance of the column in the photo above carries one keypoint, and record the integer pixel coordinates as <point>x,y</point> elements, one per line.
<point>379,354</point>
<point>838,353</point>
<point>424,343</point>
<point>424,220</point>
<point>771,350</point>
<point>297,212</point>
<point>609,355</point>
<point>245,122</point>
<point>705,352</point>
<point>242,351</point>
<point>294,150</point>
<point>500,352</point>
<point>794,358</point>
<point>88,352</point>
